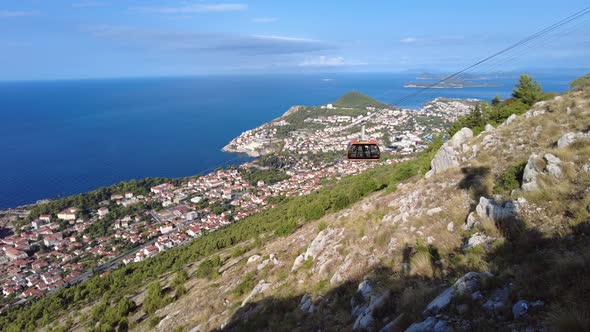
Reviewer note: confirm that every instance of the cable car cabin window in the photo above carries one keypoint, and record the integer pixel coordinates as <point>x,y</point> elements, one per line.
<point>374,151</point>
<point>363,151</point>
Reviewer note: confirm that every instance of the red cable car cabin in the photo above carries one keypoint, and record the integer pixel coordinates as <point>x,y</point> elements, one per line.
<point>363,151</point>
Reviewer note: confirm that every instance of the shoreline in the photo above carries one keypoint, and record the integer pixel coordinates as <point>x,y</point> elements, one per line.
<point>249,153</point>
<point>422,86</point>
<point>47,200</point>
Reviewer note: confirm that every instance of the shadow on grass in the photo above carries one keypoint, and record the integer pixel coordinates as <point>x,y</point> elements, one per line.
<point>555,270</point>
<point>474,181</point>
<point>333,311</point>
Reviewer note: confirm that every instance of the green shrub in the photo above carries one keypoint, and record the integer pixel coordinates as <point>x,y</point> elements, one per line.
<point>154,321</point>
<point>209,268</point>
<point>511,179</point>
<point>154,299</point>
<point>246,285</point>
<point>322,285</point>
<point>580,82</point>
<point>178,283</point>
<point>308,263</point>
<point>125,306</point>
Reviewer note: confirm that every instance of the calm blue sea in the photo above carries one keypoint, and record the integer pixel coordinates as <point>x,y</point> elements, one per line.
<point>59,138</point>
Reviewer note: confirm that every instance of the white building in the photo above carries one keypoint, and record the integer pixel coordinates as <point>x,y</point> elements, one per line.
<point>68,214</point>
<point>102,212</point>
<point>166,229</point>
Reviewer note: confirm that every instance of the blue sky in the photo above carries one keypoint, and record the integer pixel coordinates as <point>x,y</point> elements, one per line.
<point>57,39</point>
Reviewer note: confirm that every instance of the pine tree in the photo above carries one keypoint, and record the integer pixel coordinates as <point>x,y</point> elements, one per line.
<point>527,90</point>
<point>153,300</point>
<point>496,101</point>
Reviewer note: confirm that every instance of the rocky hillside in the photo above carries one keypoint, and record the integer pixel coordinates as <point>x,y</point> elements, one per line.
<point>494,238</point>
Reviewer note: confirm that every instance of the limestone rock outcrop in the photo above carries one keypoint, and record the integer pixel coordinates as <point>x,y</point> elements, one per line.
<point>569,138</point>
<point>365,302</point>
<point>261,287</point>
<point>467,284</point>
<point>553,165</point>
<point>449,153</point>
<point>529,177</point>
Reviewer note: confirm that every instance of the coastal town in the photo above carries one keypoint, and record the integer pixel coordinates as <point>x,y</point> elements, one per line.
<point>51,251</point>
<point>62,242</point>
<point>398,130</point>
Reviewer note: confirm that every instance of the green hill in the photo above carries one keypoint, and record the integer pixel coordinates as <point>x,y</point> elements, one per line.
<point>357,100</point>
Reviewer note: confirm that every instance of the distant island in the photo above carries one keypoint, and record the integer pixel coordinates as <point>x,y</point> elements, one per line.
<point>461,81</point>
<point>467,76</point>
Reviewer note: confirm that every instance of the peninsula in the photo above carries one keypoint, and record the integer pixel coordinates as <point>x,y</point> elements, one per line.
<point>329,128</point>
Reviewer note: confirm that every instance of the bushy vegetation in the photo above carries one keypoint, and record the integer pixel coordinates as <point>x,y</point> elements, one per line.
<point>296,119</point>
<point>511,179</point>
<point>178,283</point>
<point>350,104</point>
<point>322,225</point>
<point>209,268</point>
<point>154,299</point>
<point>580,82</point>
<point>269,176</point>
<point>88,202</point>
<point>525,93</point>
<point>527,90</point>
<point>276,160</point>
<point>246,285</point>
<point>356,99</point>
<point>111,318</point>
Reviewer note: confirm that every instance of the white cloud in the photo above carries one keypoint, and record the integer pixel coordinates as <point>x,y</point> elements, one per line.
<point>284,38</point>
<point>323,61</point>
<point>7,13</point>
<point>192,41</point>
<point>88,4</point>
<point>196,8</point>
<point>408,40</point>
<point>329,61</point>
<point>265,20</point>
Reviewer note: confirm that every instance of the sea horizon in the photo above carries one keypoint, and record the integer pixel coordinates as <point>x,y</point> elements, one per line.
<point>64,137</point>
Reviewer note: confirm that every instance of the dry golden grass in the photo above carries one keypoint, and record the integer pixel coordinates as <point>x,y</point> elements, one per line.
<point>447,242</point>
<point>456,209</point>
<point>489,227</point>
<point>485,157</point>
<point>471,260</point>
<point>384,235</point>
<point>565,155</point>
<point>421,265</point>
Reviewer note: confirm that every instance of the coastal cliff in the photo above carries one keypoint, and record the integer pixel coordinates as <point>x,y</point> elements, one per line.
<point>258,145</point>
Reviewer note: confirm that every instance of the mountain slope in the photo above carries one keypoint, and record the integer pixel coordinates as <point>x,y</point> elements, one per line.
<point>502,217</point>
<point>380,263</point>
